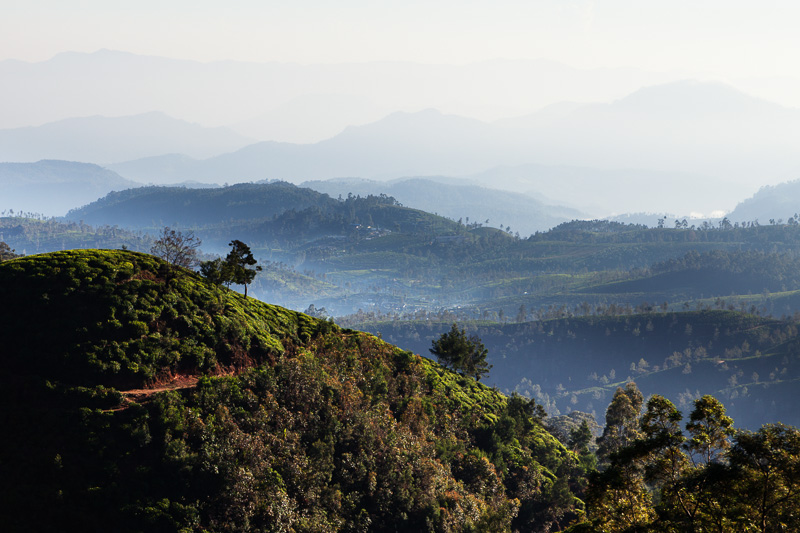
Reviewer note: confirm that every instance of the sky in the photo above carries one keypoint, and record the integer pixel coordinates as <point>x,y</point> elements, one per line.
<point>725,38</point>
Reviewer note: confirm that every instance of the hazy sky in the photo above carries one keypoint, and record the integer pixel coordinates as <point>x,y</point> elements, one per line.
<point>730,38</point>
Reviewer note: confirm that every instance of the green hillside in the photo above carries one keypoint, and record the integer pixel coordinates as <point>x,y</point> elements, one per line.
<point>749,362</point>
<point>156,207</point>
<point>141,398</point>
<point>373,253</point>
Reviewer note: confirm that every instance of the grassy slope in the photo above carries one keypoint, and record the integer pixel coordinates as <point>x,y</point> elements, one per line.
<point>576,363</point>
<point>313,427</point>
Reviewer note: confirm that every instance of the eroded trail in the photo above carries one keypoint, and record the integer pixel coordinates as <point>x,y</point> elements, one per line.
<point>133,396</point>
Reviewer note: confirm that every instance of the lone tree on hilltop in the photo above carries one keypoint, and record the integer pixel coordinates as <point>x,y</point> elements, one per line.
<point>234,268</point>
<point>465,355</point>
<point>177,248</point>
<point>239,259</point>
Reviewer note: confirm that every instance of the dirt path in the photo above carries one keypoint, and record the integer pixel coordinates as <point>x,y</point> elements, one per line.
<point>133,396</point>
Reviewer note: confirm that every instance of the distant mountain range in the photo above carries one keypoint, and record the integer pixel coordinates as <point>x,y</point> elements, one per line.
<point>777,202</point>
<point>114,83</point>
<point>685,147</point>
<point>689,148</point>
<point>104,140</point>
<point>311,118</point>
<point>54,187</point>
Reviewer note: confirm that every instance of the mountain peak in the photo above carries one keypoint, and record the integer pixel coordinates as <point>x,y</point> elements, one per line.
<point>692,97</point>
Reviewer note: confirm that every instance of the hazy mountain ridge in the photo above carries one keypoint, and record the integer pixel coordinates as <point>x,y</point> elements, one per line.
<point>706,137</point>
<point>770,203</point>
<point>103,140</point>
<point>54,187</point>
<point>156,206</point>
<point>90,83</point>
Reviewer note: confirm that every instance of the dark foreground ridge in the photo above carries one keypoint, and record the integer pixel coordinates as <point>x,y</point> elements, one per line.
<point>243,416</point>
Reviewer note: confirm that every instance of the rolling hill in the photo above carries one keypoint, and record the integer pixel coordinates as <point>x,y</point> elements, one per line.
<point>157,401</point>
<point>458,199</point>
<point>154,207</point>
<point>390,258</point>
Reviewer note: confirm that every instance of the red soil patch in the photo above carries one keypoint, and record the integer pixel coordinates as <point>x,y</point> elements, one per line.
<point>176,382</point>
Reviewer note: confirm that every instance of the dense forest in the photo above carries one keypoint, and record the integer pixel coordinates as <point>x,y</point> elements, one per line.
<point>655,475</point>
<point>158,401</point>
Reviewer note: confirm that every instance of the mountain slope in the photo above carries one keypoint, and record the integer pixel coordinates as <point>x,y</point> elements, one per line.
<point>104,140</point>
<point>54,187</point>
<point>457,199</point>
<point>576,362</point>
<point>649,148</point>
<point>156,401</point>
<point>154,207</point>
<point>770,203</point>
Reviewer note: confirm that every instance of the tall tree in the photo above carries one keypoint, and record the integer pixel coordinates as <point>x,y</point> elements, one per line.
<point>618,497</point>
<point>239,260</point>
<point>767,464</point>
<point>466,355</point>
<point>622,421</point>
<point>710,430</point>
<point>666,464</point>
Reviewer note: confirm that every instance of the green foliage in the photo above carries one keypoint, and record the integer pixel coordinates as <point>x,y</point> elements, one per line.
<point>666,481</point>
<point>239,259</point>
<point>622,421</point>
<point>216,271</point>
<point>293,424</point>
<point>127,318</point>
<point>6,252</point>
<point>234,269</point>
<point>709,428</point>
<point>465,355</point>
<point>719,357</point>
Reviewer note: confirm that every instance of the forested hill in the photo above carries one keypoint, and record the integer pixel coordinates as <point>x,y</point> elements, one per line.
<point>576,362</point>
<point>142,398</point>
<point>156,207</point>
<point>276,214</point>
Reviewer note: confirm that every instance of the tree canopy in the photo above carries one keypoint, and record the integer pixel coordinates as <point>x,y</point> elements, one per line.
<point>466,355</point>
<point>6,252</point>
<point>235,268</point>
